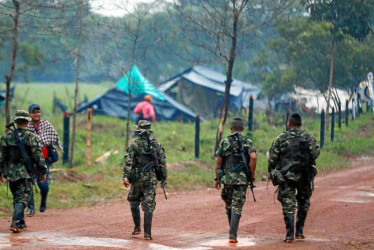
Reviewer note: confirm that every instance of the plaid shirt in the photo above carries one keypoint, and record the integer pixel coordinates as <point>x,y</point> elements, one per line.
<point>47,134</point>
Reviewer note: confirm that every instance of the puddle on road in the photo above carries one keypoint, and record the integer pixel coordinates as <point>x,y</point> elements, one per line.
<point>162,247</point>
<point>243,242</point>
<point>356,197</point>
<point>39,239</point>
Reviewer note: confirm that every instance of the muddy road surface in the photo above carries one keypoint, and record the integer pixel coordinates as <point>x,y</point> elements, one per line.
<point>341,217</point>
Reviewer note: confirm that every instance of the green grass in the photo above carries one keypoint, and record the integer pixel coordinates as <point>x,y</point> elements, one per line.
<point>88,185</point>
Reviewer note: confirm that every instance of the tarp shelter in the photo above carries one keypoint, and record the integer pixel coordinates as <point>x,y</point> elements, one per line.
<point>3,95</point>
<point>309,100</point>
<point>115,101</point>
<point>202,90</point>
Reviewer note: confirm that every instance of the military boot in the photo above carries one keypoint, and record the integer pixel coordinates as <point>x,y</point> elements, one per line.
<point>18,210</point>
<point>136,218</point>
<point>30,205</point>
<point>290,228</point>
<point>22,223</point>
<point>234,224</point>
<point>148,225</point>
<point>301,216</point>
<point>43,201</point>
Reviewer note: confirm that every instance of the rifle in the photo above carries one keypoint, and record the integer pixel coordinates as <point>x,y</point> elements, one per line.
<point>26,159</point>
<point>155,164</point>
<point>247,170</point>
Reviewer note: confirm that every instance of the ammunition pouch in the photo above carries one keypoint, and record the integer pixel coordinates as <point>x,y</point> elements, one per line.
<point>134,175</point>
<point>276,177</point>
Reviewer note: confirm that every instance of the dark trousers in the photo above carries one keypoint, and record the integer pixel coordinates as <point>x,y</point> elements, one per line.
<point>43,187</point>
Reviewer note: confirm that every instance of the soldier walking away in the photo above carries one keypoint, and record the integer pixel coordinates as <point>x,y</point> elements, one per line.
<point>47,137</point>
<point>292,160</point>
<point>145,164</point>
<point>232,170</point>
<point>19,152</point>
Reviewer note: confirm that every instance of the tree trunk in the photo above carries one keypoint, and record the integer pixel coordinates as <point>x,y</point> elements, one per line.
<point>331,78</point>
<point>77,72</point>
<point>226,101</point>
<point>10,74</point>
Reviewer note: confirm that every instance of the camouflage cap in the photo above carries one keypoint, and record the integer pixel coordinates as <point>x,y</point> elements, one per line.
<point>143,125</point>
<point>21,115</point>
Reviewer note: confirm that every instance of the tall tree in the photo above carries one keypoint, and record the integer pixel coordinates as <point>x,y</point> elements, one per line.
<point>225,28</point>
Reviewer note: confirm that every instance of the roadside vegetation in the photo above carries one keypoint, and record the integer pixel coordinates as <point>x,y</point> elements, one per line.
<point>82,185</point>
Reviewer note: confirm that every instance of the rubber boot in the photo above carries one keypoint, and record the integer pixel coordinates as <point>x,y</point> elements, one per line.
<point>136,218</point>
<point>43,201</point>
<point>30,205</point>
<point>148,225</point>
<point>235,218</point>
<point>22,223</point>
<point>290,228</point>
<point>301,216</point>
<point>18,210</point>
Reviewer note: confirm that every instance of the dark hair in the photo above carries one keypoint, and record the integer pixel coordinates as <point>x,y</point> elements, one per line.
<point>21,121</point>
<point>237,124</point>
<point>295,119</point>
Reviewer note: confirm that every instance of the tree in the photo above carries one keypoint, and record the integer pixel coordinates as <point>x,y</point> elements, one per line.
<point>225,28</point>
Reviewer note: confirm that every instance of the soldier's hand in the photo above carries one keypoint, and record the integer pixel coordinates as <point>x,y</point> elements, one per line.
<point>253,178</point>
<point>126,182</point>
<point>43,178</point>
<point>218,185</point>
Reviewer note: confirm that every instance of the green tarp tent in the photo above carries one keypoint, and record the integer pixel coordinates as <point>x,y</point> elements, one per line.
<point>139,85</point>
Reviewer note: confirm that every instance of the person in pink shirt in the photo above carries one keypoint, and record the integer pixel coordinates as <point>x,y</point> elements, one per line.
<point>144,110</point>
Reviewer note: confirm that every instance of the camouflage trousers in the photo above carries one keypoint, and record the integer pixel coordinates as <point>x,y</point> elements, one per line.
<point>21,190</point>
<point>234,197</point>
<point>143,193</point>
<point>291,192</point>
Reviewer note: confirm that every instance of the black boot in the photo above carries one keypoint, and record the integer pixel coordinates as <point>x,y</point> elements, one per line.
<point>22,223</point>
<point>18,211</point>
<point>43,201</point>
<point>301,216</point>
<point>148,225</point>
<point>136,218</point>
<point>290,227</point>
<point>30,205</point>
<point>234,224</point>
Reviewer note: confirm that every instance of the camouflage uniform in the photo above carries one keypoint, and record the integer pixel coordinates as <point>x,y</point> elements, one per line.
<point>143,181</point>
<point>234,181</point>
<point>292,166</point>
<point>13,168</point>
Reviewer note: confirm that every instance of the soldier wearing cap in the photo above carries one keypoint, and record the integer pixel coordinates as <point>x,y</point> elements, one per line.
<point>139,173</point>
<point>292,160</point>
<point>13,166</point>
<point>47,137</point>
<point>230,171</point>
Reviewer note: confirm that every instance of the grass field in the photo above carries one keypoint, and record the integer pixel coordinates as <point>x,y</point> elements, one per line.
<point>84,185</point>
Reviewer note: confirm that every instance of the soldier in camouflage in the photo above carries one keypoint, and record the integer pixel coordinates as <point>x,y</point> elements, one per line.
<point>13,166</point>
<point>139,171</point>
<point>230,172</point>
<point>292,159</point>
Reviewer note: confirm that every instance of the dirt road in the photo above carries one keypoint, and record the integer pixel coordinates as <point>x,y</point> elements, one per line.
<point>341,217</point>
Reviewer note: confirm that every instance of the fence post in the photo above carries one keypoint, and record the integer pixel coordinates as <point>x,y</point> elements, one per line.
<point>250,115</point>
<point>340,115</point>
<point>322,133</point>
<point>88,138</point>
<point>346,113</point>
<point>287,115</point>
<point>332,124</point>
<point>65,156</point>
<point>197,136</point>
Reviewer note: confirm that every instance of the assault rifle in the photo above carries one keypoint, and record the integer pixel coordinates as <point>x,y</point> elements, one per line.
<point>247,170</point>
<point>25,158</point>
<point>155,164</point>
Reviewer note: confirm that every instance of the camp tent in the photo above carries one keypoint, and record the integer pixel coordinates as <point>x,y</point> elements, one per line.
<point>3,95</point>
<point>115,101</point>
<point>202,90</point>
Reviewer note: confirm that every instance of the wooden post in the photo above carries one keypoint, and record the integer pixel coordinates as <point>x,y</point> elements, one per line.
<point>65,156</point>
<point>88,138</point>
<point>322,132</point>
<point>332,124</point>
<point>250,115</point>
<point>197,136</point>
<point>346,113</point>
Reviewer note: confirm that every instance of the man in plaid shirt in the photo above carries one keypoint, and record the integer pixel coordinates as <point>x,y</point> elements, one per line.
<point>47,136</point>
